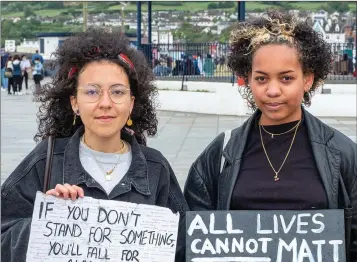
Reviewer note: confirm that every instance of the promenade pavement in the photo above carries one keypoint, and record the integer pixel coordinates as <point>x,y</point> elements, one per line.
<point>181,136</point>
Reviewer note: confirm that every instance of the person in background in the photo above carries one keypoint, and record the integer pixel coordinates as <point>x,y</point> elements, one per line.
<point>4,80</point>
<point>169,62</point>
<point>160,70</point>
<point>282,157</point>
<point>37,72</point>
<point>36,55</point>
<point>99,108</point>
<point>196,69</point>
<point>17,75</point>
<point>26,71</point>
<point>9,75</point>
<point>200,63</point>
<point>209,66</point>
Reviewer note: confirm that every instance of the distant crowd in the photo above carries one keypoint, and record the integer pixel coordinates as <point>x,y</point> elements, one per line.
<point>189,65</point>
<point>18,69</point>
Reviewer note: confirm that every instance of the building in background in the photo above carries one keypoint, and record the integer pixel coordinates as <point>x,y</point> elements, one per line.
<point>10,46</point>
<point>49,42</point>
<point>331,30</point>
<point>28,46</point>
<point>162,36</point>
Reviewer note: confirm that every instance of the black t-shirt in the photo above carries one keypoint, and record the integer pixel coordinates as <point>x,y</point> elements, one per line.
<point>300,186</point>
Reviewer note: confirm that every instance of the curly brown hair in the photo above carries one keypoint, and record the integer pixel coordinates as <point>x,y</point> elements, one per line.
<point>278,28</point>
<point>55,115</point>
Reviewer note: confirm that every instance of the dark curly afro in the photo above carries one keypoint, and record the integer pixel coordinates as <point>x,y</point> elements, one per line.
<point>55,115</point>
<point>277,28</point>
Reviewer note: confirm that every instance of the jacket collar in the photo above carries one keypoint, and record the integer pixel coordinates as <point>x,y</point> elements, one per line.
<point>137,175</point>
<point>327,159</point>
<point>318,132</point>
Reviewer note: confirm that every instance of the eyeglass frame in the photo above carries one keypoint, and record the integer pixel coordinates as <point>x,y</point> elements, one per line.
<point>101,93</point>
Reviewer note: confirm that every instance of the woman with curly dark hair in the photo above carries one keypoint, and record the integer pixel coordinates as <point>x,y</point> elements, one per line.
<point>98,108</point>
<point>282,157</point>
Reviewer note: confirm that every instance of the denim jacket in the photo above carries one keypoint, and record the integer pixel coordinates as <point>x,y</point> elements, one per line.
<point>149,180</point>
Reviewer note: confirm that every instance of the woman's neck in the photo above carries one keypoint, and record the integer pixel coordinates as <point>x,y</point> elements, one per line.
<point>268,121</point>
<point>103,144</point>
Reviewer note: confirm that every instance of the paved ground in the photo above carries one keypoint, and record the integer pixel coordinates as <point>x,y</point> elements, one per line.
<point>181,137</point>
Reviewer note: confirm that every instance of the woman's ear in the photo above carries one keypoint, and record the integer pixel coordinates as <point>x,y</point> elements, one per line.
<point>74,103</point>
<point>308,81</point>
<point>249,79</point>
<point>132,101</point>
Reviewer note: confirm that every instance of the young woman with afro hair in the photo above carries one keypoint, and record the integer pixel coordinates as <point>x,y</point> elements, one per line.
<point>282,157</point>
<point>99,108</point>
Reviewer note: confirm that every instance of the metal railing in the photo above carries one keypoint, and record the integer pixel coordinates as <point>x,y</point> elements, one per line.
<point>208,62</point>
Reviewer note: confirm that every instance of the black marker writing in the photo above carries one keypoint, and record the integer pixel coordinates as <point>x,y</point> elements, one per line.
<point>47,209</point>
<point>64,249</point>
<point>98,253</point>
<point>78,212</point>
<point>59,229</point>
<point>98,234</point>
<point>128,255</point>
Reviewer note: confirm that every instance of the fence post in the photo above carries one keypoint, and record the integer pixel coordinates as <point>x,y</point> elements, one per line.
<point>183,88</point>
<point>138,19</point>
<point>241,11</point>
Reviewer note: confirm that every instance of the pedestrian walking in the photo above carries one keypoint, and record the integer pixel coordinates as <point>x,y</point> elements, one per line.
<point>37,72</point>
<point>17,75</point>
<point>9,75</point>
<point>4,80</point>
<point>26,71</point>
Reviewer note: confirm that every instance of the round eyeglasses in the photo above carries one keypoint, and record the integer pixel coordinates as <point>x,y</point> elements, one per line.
<point>92,94</point>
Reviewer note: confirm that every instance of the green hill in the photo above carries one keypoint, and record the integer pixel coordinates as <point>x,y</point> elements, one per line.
<point>52,9</point>
<point>64,11</point>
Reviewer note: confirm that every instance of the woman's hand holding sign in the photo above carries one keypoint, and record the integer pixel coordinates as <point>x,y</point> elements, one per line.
<point>66,191</point>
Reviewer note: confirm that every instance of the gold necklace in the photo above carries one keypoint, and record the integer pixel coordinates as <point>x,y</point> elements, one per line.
<point>272,135</point>
<point>107,173</point>
<point>276,176</point>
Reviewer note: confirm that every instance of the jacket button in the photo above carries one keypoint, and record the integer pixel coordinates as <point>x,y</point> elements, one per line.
<point>123,184</point>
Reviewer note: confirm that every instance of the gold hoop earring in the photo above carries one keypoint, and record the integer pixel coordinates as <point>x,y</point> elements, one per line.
<point>129,122</point>
<point>75,117</point>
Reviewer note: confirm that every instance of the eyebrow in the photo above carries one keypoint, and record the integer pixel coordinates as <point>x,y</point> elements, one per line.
<point>117,84</point>
<point>281,73</point>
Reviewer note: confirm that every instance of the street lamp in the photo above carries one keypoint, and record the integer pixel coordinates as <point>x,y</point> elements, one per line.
<point>85,15</point>
<point>123,5</point>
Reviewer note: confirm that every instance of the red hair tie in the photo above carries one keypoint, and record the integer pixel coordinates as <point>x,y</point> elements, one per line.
<point>72,71</point>
<point>95,50</point>
<point>126,60</point>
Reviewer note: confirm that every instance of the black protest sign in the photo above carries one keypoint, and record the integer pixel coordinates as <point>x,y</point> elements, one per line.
<point>263,236</point>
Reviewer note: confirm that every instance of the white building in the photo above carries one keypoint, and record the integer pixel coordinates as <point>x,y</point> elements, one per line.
<point>10,46</point>
<point>221,26</point>
<point>28,46</point>
<point>330,30</point>
<point>49,42</point>
<point>162,36</point>
<point>321,15</point>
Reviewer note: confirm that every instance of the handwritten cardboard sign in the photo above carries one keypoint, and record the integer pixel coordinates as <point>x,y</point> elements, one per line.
<point>263,236</point>
<point>93,230</point>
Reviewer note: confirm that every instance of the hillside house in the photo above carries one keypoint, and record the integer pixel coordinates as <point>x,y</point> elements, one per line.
<point>330,30</point>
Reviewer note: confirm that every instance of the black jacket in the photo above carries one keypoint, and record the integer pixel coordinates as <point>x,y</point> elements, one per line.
<point>149,180</point>
<point>336,159</point>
